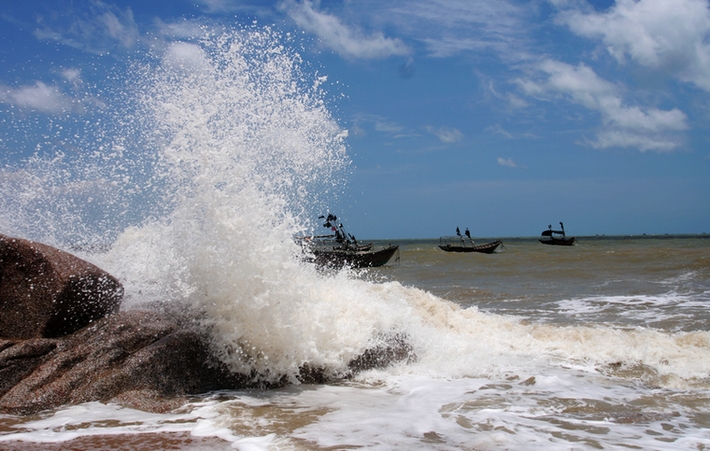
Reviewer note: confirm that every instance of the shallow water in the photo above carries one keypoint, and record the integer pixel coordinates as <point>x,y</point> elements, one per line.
<point>624,281</point>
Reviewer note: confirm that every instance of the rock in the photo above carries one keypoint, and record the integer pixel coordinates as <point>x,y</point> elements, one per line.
<point>141,359</point>
<point>19,359</point>
<point>149,401</point>
<point>388,349</point>
<point>62,341</point>
<point>116,358</point>
<point>49,293</point>
<point>391,349</point>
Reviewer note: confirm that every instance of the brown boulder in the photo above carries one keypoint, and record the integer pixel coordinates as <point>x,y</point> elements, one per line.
<point>143,359</point>
<point>61,342</point>
<point>49,293</point>
<point>121,357</point>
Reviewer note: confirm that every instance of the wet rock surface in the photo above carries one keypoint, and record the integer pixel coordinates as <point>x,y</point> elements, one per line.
<point>123,357</point>
<point>64,342</point>
<point>46,292</point>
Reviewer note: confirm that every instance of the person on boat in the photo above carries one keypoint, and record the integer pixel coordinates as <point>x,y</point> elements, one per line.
<point>468,234</point>
<point>458,232</point>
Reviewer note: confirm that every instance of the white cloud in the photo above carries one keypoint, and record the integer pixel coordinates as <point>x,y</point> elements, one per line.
<point>669,36</point>
<point>516,101</point>
<point>348,42</point>
<point>73,74</point>
<point>39,97</point>
<point>507,162</point>
<point>511,100</point>
<point>123,29</point>
<point>451,27</point>
<point>380,123</point>
<point>445,134</point>
<point>626,138</point>
<point>625,126</point>
<point>388,127</point>
<point>499,130</point>
<point>217,6</point>
<point>183,29</point>
<point>99,30</point>
<point>262,9</point>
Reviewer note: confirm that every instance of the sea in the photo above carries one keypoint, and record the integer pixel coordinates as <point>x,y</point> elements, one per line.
<point>223,149</point>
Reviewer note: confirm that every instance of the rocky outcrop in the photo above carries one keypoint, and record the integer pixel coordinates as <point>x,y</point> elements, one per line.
<point>138,358</point>
<point>62,341</point>
<point>125,356</point>
<point>46,292</point>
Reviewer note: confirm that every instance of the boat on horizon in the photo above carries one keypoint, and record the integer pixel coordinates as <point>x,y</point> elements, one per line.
<point>460,244</point>
<point>557,237</point>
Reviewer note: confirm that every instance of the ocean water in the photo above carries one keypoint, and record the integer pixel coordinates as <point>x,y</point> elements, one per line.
<point>223,149</point>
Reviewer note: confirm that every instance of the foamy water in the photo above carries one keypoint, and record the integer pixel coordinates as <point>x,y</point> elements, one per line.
<point>230,150</point>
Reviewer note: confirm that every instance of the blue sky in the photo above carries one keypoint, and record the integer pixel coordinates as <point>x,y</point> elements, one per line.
<point>500,116</point>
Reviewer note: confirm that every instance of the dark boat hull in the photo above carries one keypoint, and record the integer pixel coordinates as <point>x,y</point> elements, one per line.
<point>368,259</point>
<point>487,248</point>
<point>560,241</point>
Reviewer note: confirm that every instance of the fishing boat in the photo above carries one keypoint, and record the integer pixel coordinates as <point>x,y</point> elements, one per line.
<point>460,244</point>
<point>354,259</point>
<point>557,237</point>
<point>342,249</point>
<point>448,244</point>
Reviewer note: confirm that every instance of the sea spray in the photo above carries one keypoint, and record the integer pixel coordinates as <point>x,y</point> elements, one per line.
<point>248,155</point>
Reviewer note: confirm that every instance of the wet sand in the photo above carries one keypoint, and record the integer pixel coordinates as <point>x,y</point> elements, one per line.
<point>179,441</point>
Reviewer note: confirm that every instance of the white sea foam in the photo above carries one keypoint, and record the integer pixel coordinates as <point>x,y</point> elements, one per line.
<point>557,410</point>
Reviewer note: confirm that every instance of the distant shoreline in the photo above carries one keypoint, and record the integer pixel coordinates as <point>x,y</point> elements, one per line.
<point>666,236</point>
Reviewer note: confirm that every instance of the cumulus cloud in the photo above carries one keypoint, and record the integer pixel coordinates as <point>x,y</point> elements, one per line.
<point>349,42</point>
<point>625,126</point>
<point>445,134</point>
<point>669,36</point>
<point>39,97</point>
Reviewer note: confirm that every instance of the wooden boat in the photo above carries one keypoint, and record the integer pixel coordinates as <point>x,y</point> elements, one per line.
<point>330,242</point>
<point>557,237</point>
<point>449,244</point>
<point>354,259</point>
<point>341,249</point>
<point>460,244</point>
